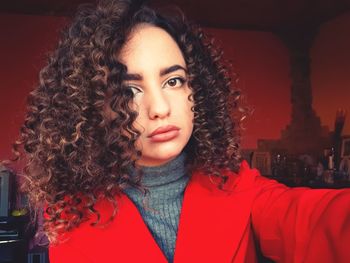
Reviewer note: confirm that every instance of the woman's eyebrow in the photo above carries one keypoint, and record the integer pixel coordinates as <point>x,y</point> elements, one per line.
<point>129,76</point>
<point>171,69</point>
<point>165,71</point>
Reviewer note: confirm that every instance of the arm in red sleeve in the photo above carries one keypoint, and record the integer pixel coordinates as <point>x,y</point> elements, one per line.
<point>302,224</point>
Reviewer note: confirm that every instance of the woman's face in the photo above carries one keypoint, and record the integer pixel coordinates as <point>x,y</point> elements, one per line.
<point>156,74</point>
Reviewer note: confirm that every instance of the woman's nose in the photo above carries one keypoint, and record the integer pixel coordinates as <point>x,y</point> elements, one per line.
<point>159,106</point>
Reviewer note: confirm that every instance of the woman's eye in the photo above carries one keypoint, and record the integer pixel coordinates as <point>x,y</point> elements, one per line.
<point>133,90</point>
<point>175,82</point>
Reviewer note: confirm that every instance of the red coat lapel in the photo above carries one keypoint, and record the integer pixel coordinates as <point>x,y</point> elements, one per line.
<point>212,222</point>
<point>126,239</point>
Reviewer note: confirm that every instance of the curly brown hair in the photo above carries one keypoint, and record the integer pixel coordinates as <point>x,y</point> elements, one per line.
<point>74,153</point>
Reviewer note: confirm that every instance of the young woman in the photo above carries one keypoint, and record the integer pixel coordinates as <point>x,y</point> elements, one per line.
<point>132,143</point>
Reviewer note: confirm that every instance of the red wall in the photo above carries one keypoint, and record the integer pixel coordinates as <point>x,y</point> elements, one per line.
<point>259,58</point>
<point>330,74</point>
<point>262,62</point>
<point>24,42</point>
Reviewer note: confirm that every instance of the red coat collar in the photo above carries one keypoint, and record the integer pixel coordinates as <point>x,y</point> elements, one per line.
<point>212,224</point>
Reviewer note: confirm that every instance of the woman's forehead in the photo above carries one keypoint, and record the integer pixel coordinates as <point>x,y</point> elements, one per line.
<point>148,47</point>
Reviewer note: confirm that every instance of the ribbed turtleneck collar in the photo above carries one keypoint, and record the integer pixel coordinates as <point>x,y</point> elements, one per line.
<point>165,174</point>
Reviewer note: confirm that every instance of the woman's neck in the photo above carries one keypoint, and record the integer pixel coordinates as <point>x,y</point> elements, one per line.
<point>167,173</point>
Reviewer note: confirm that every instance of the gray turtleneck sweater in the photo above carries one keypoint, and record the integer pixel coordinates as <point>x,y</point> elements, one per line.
<point>160,208</point>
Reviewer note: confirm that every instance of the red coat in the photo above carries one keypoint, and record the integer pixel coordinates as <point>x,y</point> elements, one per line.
<point>290,225</point>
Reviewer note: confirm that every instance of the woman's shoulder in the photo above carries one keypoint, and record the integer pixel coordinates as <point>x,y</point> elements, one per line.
<point>245,178</point>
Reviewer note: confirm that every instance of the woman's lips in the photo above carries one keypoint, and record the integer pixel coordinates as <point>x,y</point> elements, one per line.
<point>164,133</point>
